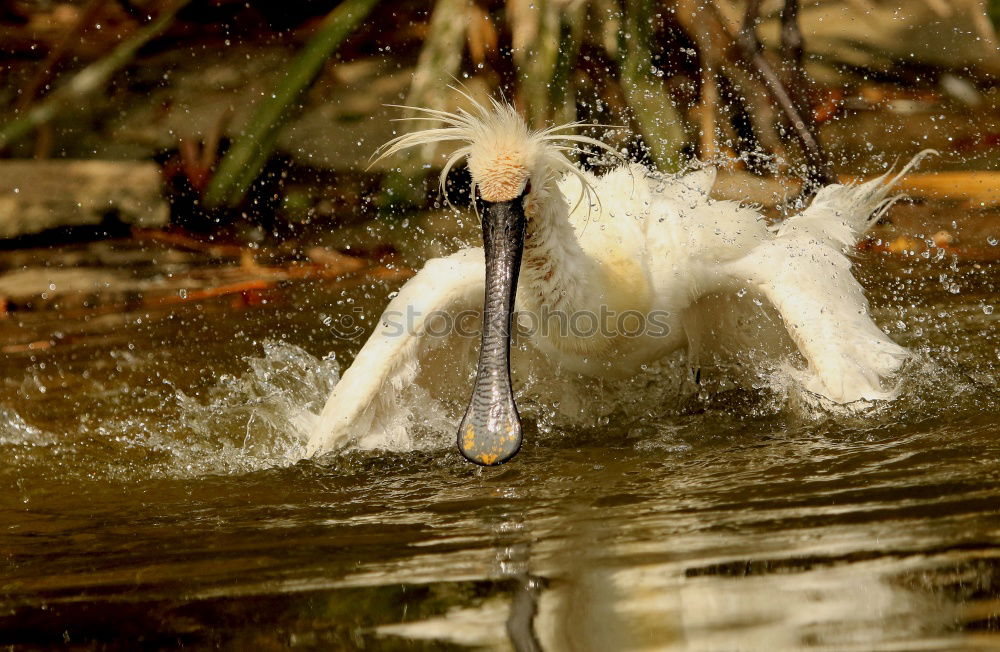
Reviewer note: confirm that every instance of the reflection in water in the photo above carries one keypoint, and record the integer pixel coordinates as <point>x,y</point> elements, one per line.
<point>153,497</point>
<point>642,596</point>
<point>515,562</point>
<point>504,620</point>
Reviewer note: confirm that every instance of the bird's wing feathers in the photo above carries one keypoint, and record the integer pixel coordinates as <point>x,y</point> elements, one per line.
<point>446,288</point>
<point>840,213</point>
<point>826,313</point>
<point>805,273</point>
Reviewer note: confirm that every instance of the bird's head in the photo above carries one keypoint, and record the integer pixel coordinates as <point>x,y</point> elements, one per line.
<point>509,163</point>
<point>502,159</point>
<point>506,159</point>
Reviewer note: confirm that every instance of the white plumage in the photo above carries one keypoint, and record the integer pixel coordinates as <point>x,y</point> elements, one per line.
<point>637,243</point>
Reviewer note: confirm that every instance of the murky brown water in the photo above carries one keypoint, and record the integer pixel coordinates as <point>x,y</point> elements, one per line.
<point>151,499</point>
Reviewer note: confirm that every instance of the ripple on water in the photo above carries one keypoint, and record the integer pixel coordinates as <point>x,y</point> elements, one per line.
<point>147,500</point>
<point>259,418</point>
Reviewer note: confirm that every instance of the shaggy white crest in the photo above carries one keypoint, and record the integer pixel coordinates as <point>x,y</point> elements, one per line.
<point>502,152</point>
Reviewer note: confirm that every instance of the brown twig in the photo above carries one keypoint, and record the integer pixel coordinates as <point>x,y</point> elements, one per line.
<point>708,148</point>
<point>792,48</point>
<point>181,240</point>
<point>746,97</point>
<point>818,169</point>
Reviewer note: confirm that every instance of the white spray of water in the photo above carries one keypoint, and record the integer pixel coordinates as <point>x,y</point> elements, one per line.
<point>260,419</point>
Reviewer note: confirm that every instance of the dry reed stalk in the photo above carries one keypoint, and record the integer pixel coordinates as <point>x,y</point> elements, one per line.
<point>438,64</point>
<point>660,123</point>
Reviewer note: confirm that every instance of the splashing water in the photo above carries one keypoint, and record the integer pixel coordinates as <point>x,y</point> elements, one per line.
<point>261,417</point>
<point>240,423</point>
<point>156,466</point>
<point>273,405</point>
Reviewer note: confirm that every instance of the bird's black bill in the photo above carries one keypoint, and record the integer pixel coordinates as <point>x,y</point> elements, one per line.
<point>490,433</point>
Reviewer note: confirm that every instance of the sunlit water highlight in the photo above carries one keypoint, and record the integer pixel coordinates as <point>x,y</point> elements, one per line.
<point>155,495</point>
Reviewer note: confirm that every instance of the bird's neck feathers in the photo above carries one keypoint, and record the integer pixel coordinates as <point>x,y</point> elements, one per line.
<point>553,268</point>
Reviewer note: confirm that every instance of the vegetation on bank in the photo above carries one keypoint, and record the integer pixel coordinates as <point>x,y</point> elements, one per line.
<point>746,81</point>
<point>259,122</point>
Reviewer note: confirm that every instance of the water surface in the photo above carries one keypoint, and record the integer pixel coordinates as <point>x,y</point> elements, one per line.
<point>152,497</point>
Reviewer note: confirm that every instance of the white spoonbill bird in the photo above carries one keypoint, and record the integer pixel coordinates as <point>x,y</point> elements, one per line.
<point>566,243</point>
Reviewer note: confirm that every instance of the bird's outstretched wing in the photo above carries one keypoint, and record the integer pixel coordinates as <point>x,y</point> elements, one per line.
<point>432,309</point>
<point>824,309</point>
